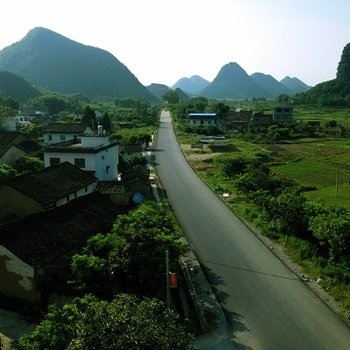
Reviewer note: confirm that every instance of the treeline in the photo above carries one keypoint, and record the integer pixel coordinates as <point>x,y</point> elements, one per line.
<point>282,212</point>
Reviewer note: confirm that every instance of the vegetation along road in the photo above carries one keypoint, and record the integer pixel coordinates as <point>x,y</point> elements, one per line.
<point>267,306</point>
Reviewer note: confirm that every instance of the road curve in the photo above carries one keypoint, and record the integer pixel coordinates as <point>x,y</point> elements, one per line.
<point>267,306</point>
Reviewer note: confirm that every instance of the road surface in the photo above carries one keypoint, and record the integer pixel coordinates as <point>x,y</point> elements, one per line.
<point>267,306</point>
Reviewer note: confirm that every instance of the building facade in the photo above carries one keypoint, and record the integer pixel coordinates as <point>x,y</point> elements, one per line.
<point>94,153</point>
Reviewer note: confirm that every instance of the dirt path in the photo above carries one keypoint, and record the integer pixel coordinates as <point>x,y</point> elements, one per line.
<point>12,325</point>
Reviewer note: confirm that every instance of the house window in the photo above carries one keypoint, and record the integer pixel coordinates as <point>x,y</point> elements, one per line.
<point>107,168</point>
<point>54,161</point>
<point>79,162</point>
<point>103,157</point>
<point>50,137</point>
<point>63,137</point>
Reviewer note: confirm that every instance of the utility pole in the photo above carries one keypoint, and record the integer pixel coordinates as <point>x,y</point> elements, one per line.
<point>167,278</point>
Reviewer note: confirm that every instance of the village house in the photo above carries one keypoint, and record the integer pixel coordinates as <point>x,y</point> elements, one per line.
<point>261,119</point>
<point>204,119</point>
<point>283,114</point>
<point>35,252</point>
<point>14,145</point>
<point>238,119</point>
<point>42,121</point>
<point>130,150</point>
<point>93,153</point>
<point>59,132</point>
<point>48,188</point>
<point>136,180</point>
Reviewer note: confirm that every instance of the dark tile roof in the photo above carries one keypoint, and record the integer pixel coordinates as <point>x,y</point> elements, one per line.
<point>8,137</point>
<point>131,148</point>
<point>136,173</point>
<point>44,237</point>
<point>3,149</point>
<point>67,128</point>
<point>40,118</point>
<point>52,183</point>
<point>29,146</point>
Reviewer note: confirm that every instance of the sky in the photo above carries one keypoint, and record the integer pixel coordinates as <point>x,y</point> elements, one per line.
<point>161,41</point>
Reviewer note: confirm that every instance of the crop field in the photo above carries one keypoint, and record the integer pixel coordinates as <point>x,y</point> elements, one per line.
<point>322,164</point>
<point>341,115</point>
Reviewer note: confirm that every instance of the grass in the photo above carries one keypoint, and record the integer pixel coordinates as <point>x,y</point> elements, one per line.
<point>322,164</point>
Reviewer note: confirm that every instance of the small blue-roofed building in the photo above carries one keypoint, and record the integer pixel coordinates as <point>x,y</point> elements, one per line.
<point>204,119</point>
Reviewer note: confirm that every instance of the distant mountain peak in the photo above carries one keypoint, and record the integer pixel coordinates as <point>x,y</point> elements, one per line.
<point>191,85</point>
<point>50,60</point>
<point>343,71</point>
<point>233,81</point>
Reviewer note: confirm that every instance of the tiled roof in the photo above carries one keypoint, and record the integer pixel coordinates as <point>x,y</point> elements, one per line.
<point>42,238</point>
<point>29,146</point>
<point>52,183</point>
<point>131,148</point>
<point>7,137</point>
<point>3,149</point>
<point>66,128</point>
<point>202,115</point>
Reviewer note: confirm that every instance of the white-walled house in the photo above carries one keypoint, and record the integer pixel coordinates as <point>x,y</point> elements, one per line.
<point>93,153</point>
<point>203,119</point>
<point>60,132</point>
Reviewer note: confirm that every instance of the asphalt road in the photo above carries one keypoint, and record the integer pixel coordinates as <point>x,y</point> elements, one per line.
<point>267,306</point>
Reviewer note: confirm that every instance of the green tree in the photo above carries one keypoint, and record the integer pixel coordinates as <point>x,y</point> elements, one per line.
<point>171,97</point>
<point>124,323</point>
<point>9,102</point>
<point>28,164</point>
<point>106,122</point>
<point>131,256</point>
<point>58,327</point>
<point>221,109</point>
<point>147,233</point>
<point>129,323</point>
<point>32,131</point>
<point>287,209</point>
<point>89,118</point>
<point>7,172</point>
<point>5,111</point>
<point>332,229</point>
<point>54,104</point>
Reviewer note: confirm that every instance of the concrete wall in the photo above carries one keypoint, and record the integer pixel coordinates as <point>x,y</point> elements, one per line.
<point>16,277</point>
<point>97,162</point>
<point>12,154</point>
<point>14,203</point>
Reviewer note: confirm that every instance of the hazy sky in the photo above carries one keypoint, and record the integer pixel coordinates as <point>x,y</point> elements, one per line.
<point>161,41</point>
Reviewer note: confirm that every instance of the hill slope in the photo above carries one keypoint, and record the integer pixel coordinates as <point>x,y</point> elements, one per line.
<point>54,62</point>
<point>295,85</point>
<point>191,85</point>
<point>334,92</point>
<point>233,81</point>
<point>11,85</point>
<point>272,86</point>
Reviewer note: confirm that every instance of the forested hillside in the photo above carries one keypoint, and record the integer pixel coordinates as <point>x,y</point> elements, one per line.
<point>54,62</point>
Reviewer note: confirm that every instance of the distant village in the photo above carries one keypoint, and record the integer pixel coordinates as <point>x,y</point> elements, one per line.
<point>47,215</point>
